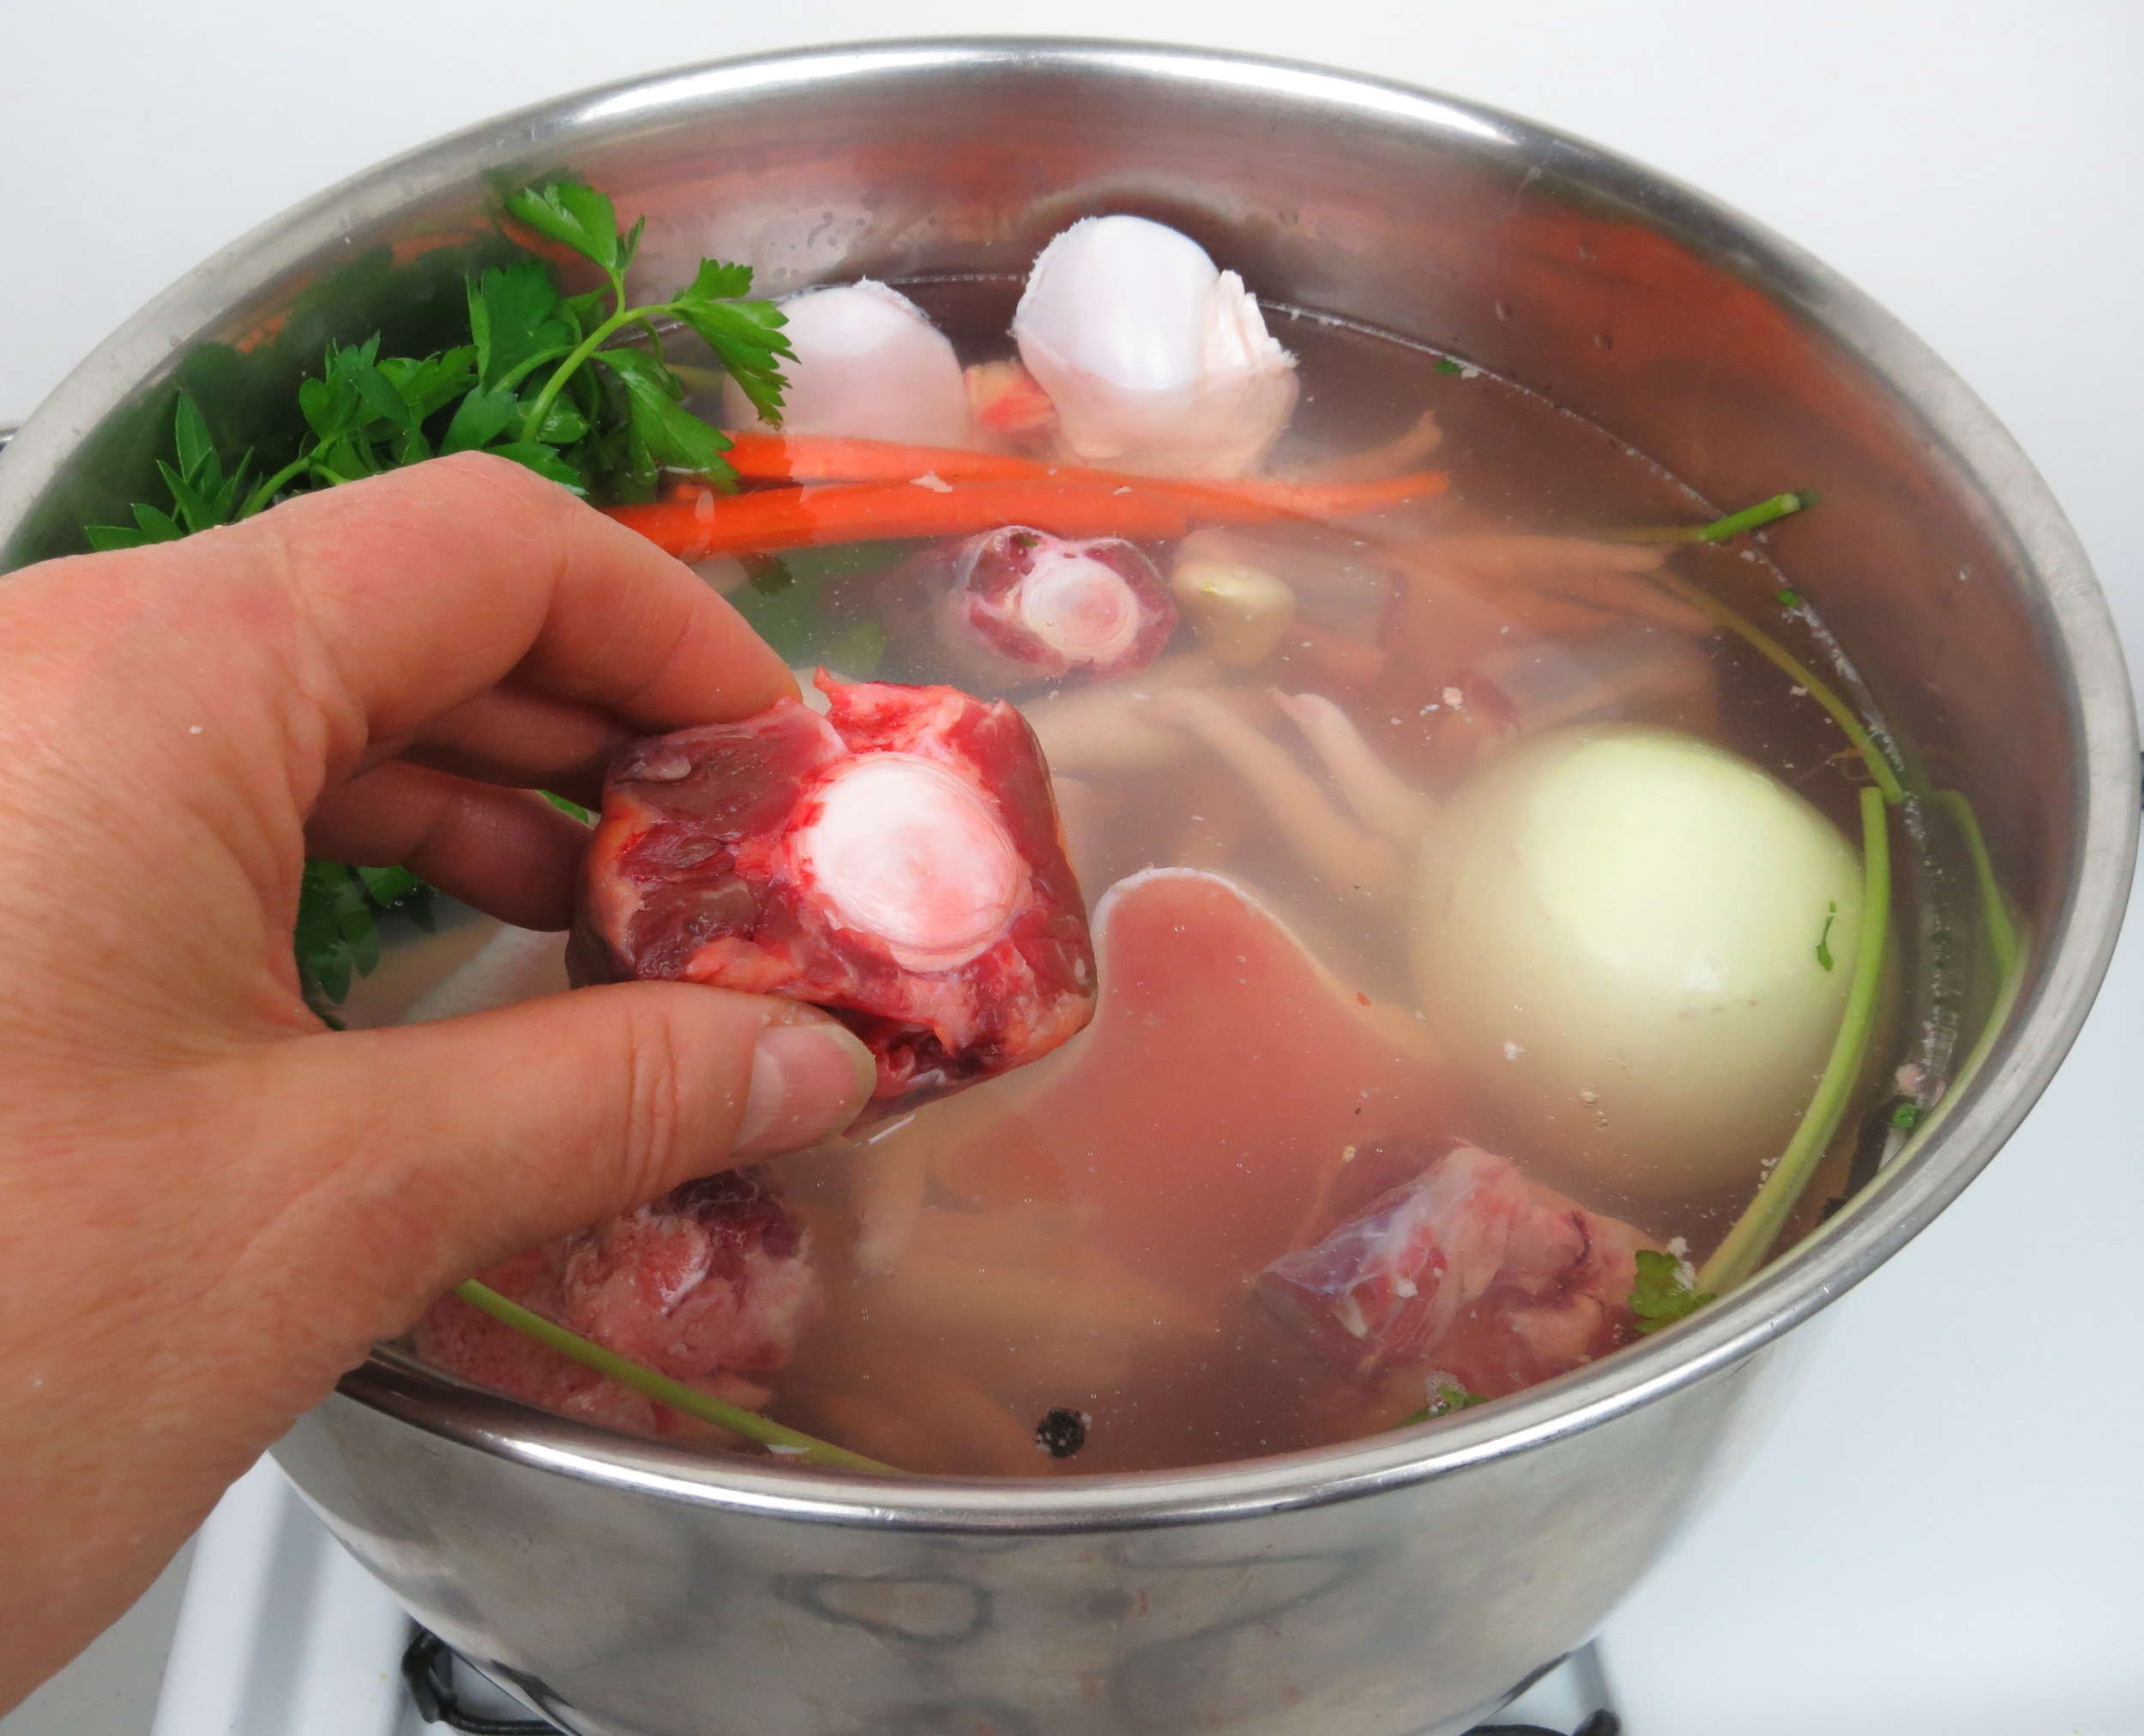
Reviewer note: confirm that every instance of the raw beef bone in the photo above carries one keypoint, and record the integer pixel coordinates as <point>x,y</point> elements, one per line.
<point>1015,606</point>
<point>709,1285</point>
<point>897,862</point>
<point>1467,1267</point>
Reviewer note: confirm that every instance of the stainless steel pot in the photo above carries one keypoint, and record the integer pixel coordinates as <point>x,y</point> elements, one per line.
<point>1404,1584</point>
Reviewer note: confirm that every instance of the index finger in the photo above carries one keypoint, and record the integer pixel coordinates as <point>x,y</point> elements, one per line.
<point>425,587</point>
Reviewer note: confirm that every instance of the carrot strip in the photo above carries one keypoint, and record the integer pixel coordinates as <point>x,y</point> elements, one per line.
<point>760,456</point>
<point>705,524</point>
<point>1257,501</point>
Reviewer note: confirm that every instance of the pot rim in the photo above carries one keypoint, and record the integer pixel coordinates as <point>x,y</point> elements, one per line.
<point>1953,1147</point>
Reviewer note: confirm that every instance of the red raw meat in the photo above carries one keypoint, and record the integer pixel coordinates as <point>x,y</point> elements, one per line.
<point>1468,1269</point>
<point>897,862</point>
<point>1020,605</point>
<point>709,1285</point>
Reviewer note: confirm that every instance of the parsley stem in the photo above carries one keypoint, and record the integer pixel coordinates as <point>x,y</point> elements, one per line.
<point>1760,1224</point>
<point>1880,768</point>
<point>261,496</point>
<point>512,378</point>
<point>588,346</point>
<point>789,1443</point>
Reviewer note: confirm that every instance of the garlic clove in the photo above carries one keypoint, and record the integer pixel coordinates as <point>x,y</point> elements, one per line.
<point>869,365</point>
<point>1239,612</point>
<point>1156,361</point>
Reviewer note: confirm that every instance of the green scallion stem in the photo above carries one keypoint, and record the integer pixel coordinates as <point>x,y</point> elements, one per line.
<point>1760,1224</point>
<point>659,1387</point>
<point>2002,939</point>
<point>1750,518</point>
<point>1880,768</point>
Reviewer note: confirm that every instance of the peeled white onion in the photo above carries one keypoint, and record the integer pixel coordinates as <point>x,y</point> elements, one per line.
<point>1620,935</point>
<point>869,365</point>
<point>1156,361</point>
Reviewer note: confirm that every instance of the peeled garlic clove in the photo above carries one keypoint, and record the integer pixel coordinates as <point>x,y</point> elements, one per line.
<point>1238,612</point>
<point>1157,362</point>
<point>869,365</point>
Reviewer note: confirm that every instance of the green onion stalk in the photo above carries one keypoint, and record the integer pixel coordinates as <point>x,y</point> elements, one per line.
<point>1759,1225</point>
<point>1746,1243</point>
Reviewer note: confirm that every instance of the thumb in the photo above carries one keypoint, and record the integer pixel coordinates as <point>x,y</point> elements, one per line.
<point>448,1146</point>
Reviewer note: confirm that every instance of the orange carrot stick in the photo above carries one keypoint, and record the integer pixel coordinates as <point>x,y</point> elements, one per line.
<point>1256,501</point>
<point>760,456</point>
<point>694,527</point>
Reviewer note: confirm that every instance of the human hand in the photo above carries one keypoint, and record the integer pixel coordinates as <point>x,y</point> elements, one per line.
<point>212,1206</point>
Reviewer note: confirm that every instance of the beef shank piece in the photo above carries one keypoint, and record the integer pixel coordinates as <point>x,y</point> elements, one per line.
<point>1015,606</point>
<point>1468,1269</point>
<point>709,1285</point>
<point>897,861</point>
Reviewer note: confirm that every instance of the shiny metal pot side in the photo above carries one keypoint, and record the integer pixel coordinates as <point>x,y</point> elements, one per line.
<point>1406,1583</point>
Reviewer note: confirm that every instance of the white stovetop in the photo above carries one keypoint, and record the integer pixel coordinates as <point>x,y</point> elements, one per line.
<point>1947,1532</point>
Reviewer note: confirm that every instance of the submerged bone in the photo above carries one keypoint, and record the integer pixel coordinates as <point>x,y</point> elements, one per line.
<point>710,1285</point>
<point>1467,1267</point>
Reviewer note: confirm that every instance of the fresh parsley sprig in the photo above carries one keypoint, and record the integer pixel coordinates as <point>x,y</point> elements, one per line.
<point>547,380</point>
<point>744,335</point>
<point>1666,1290</point>
<point>202,496</point>
<point>337,933</point>
<point>557,382</point>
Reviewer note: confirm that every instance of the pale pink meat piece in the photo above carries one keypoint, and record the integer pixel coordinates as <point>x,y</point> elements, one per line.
<point>1469,1269</point>
<point>897,862</point>
<point>1197,1125</point>
<point>709,1285</point>
<point>1019,605</point>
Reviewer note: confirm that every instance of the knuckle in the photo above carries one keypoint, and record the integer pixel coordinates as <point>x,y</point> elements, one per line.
<point>669,1124</point>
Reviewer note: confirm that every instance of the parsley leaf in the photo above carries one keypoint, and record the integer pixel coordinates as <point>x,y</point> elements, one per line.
<point>575,387</point>
<point>202,496</point>
<point>575,215</point>
<point>336,937</point>
<point>744,335</point>
<point>1665,1292</point>
<point>516,318</point>
<point>1445,1397</point>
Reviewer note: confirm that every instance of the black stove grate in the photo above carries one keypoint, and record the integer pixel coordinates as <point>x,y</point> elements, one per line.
<point>428,1668</point>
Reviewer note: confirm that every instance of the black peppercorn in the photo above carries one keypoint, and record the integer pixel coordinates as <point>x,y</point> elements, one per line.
<point>1062,1432</point>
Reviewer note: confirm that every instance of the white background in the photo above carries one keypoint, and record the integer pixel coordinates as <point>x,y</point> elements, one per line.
<point>1948,1535</point>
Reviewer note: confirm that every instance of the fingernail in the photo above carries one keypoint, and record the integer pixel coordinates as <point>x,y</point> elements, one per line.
<point>808,1080</point>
